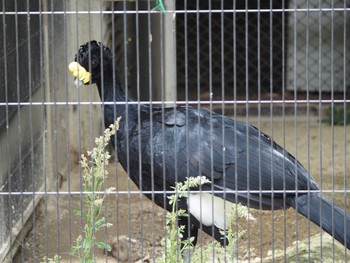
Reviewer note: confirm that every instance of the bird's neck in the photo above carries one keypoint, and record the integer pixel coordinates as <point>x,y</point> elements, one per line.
<point>115,103</point>
<point>109,88</point>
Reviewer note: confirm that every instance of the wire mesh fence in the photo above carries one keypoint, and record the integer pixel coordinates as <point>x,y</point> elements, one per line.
<point>250,100</point>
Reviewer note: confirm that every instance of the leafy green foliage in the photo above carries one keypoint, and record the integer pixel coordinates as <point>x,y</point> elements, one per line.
<point>94,174</point>
<point>55,259</point>
<point>172,241</point>
<point>337,115</point>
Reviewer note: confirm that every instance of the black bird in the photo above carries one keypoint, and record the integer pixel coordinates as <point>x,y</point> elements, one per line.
<point>159,147</point>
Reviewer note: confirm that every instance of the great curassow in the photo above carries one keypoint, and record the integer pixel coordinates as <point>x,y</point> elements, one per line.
<point>161,146</point>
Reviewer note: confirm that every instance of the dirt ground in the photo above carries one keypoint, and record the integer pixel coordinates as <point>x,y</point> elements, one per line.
<point>320,148</point>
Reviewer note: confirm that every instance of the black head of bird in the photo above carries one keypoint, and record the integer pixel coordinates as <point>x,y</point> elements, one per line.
<point>92,59</point>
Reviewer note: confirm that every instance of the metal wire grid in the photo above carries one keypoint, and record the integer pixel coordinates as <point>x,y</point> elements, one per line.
<point>236,36</point>
<point>55,107</point>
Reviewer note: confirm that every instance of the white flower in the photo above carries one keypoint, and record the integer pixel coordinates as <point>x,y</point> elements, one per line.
<point>98,202</point>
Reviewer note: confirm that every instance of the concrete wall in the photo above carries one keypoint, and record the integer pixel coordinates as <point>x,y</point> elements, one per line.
<point>22,128</point>
<point>318,51</point>
<point>39,142</point>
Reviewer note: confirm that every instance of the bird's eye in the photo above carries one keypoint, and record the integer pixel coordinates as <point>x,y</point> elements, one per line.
<point>94,61</point>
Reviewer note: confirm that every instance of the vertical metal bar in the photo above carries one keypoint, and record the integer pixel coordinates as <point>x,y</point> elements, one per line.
<point>91,139</point>
<point>345,54</point>
<point>43,116</point>
<point>332,122</point>
<point>164,95</point>
<point>52,45</point>
<point>114,65</point>
<point>127,105</point>
<point>271,129</point>
<point>234,33</point>
<point>46,97</point>
<point>186,59</point>
<point>138,92</point>
<point>52,78</point>
<point>307,115</point>
<point>246,40</point>
<point>115,57</point>
<point>151,66</point>
<point>80,130</point>
<point>139,99</point>
<point>222,50</point>
<point>198,60</point>
<point>150,84</point>
<point>284,125</point>
<point>31,134</point>
<point>70,207</point>
<point>259,112</point>
<point>7,167</point>
<point>82,190</point>
<point>295,124</point>
<point>105,203</point>
<point>187,105</point>
<point>320,83</point>
<point>19,128</point>
<point>210,39</point>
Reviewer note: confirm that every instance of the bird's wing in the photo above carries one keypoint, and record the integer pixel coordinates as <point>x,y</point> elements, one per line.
<point>233,155</point>
<point>191,142</point>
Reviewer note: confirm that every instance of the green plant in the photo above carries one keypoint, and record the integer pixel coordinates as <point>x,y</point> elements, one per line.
<point>337,115</point>
<point>94,174</point>
<point>228,254</point>
<point>175,250</point>
<point>55,259</point>
<point>172,241</point>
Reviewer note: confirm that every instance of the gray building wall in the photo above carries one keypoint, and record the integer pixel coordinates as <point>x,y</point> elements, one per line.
<point>37,140</point>
<point>318,51</point>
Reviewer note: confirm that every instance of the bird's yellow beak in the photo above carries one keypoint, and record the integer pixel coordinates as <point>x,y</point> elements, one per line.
<point>79,72</point>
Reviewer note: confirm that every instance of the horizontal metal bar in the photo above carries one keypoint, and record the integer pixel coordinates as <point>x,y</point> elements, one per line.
<point>323,191</point>
<point>192,102</point>
<point>206,11</point>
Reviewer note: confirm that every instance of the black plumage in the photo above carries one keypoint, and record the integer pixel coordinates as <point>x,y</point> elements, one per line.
<point>159,147</point>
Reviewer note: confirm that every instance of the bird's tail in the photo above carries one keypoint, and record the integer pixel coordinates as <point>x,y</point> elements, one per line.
<point>323,212</point>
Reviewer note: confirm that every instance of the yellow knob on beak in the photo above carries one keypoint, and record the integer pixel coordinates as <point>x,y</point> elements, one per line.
<point>79,72</point>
